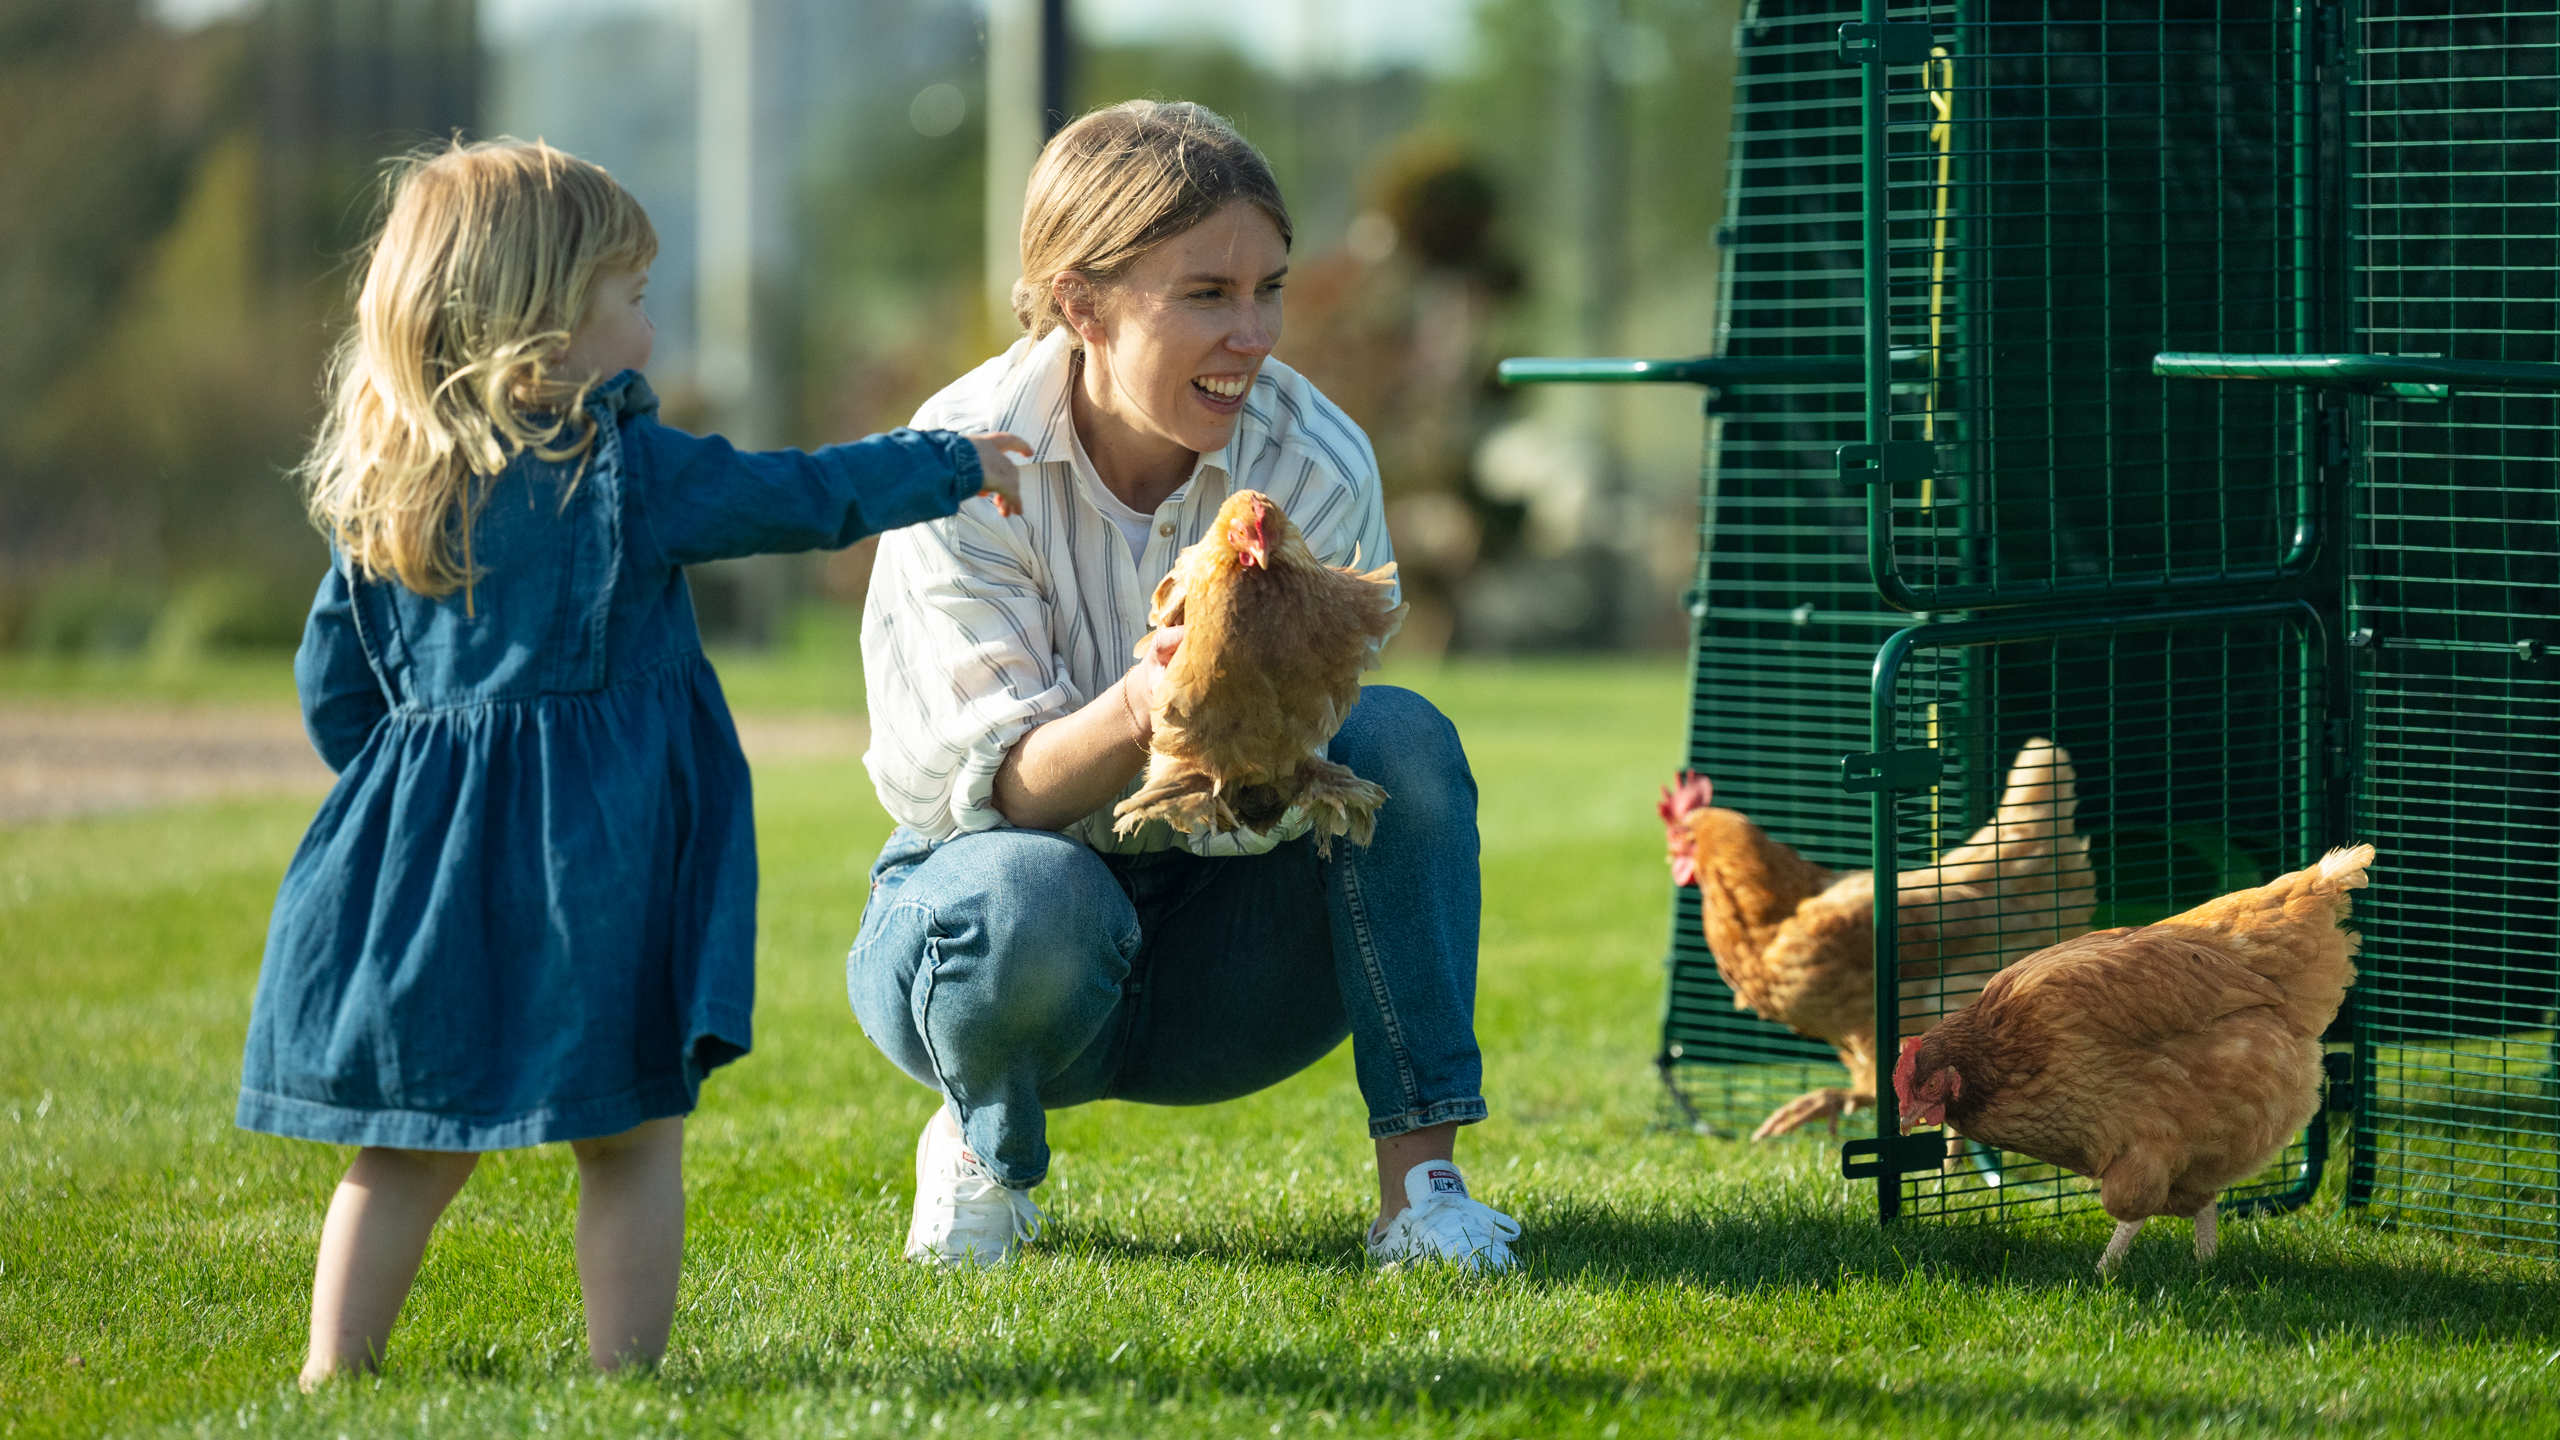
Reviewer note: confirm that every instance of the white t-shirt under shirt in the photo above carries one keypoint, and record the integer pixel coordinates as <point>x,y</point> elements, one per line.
<point>1132,524</point>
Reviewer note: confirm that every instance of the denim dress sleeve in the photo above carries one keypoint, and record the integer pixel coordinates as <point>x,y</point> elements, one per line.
<point>342,699</point>
<point>704,499</point>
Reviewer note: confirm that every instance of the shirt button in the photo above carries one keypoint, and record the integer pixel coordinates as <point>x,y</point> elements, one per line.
<point>1164,529</point>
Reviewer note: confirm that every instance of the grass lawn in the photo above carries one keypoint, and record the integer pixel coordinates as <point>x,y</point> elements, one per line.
<point>1204,1276</point>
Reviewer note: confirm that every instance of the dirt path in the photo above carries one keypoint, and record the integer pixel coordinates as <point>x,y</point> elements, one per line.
<point>69,759</point>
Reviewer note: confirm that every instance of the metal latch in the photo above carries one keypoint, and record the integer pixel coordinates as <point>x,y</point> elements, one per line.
<point>1904,462</point>
<point>1894,1154</point>
<point>1890,770</point>
<point>1901,42</point>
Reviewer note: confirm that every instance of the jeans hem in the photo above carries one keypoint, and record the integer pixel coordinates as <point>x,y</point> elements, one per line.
<point>1464,1112</point>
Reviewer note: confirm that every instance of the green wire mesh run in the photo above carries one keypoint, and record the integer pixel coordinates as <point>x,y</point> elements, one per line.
<point>2453,590</point>
<point>2194,749</point>
<point>1786,621</point>
<point>2074,186</point>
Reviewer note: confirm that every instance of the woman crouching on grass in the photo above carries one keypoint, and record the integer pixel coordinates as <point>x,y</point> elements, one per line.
<point>1016,955</point>
<point>526,913</point>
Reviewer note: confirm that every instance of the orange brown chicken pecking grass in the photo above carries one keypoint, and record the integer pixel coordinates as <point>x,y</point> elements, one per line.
<point>2162,1061</point>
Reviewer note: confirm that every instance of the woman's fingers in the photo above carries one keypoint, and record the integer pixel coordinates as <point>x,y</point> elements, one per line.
<point>1166,640</point>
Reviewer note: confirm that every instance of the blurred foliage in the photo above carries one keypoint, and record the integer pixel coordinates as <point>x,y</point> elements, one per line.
<point>163,382</point>
<point>168,281</point>
<point>890,229</point>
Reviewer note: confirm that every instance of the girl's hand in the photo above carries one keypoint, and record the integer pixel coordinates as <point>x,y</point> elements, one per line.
<point>1003,481</point>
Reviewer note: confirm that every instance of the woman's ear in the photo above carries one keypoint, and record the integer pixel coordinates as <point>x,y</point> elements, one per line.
<point>1079,302</point>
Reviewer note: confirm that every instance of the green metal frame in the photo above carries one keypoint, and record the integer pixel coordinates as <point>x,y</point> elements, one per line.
<point>2352,373</point>
<point>1910,786</point>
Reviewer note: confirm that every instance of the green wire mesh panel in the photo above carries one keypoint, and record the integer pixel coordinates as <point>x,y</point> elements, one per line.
<point>1787,624</point>
<point>2073,187</point>
<point>2453,592</point>
<point>2193,755</point>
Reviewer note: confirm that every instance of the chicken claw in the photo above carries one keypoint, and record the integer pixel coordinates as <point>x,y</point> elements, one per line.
<point>1184,798</point>
<point>1814,1105</point>
<point>1338,802</point>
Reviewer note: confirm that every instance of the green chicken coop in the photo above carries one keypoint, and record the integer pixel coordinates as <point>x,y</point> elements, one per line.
<point>2180,382</point>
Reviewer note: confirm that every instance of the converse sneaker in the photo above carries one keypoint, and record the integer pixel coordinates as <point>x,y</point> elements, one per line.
<point>1442,1222</point>
<point>964,1214</point>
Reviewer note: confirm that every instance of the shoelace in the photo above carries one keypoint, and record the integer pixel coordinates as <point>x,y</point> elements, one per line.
<point>978,1183</point>
<point>1478,1225</point>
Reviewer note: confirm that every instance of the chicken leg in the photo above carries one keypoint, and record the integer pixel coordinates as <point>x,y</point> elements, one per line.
<point>1814,1105</point>
<point>2123,1241</point>
<point>2204,1233</point>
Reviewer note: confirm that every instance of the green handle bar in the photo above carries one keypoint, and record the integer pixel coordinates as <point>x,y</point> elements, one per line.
<point>2410,376</point>
<point>1698,370</point>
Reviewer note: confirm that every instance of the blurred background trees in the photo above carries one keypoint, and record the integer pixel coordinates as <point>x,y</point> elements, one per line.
<point>182,181</point>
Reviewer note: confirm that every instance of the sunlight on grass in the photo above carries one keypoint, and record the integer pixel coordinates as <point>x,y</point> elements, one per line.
<point>1204,1276</point>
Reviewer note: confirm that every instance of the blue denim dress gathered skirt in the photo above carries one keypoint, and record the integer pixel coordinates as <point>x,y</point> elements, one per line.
<point>526,912</point>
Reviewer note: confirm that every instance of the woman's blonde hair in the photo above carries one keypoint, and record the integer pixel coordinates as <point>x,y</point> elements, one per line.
<point>1120,182</point>
<point>484,262</point>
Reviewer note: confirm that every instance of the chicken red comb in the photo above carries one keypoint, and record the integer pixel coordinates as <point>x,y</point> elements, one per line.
<point>1693,794</point>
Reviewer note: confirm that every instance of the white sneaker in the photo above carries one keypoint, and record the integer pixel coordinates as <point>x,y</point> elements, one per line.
<point>1441,1222</point>
<point>964,1214</point>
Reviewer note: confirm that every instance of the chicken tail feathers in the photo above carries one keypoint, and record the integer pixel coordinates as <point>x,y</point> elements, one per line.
<point>2341,870</point>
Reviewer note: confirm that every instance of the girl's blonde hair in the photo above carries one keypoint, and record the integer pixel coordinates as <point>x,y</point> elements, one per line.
<point>1120,182</point>
<point>484,262</point>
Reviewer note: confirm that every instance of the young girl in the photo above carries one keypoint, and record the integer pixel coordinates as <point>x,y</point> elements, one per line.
<point>527,911</point>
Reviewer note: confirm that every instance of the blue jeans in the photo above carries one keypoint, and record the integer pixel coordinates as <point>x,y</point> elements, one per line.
<point>1017,971</point>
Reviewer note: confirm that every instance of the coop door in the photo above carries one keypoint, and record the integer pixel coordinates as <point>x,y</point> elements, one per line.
<point>2158,759</point>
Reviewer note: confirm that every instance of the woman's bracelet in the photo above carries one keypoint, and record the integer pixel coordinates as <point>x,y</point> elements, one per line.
<point>1139,730</point>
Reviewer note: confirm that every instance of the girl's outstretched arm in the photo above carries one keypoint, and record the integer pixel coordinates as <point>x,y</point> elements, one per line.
<point>704,499</point>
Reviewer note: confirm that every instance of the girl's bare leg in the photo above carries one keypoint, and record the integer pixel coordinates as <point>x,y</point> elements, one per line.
<point>370,1247</point>
<point>630,1239</point>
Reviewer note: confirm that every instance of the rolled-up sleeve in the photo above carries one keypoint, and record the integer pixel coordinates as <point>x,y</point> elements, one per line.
<point>958,664</point>
<point>342,699</point>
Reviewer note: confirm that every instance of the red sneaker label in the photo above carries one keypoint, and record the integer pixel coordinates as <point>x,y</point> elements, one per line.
<point>1446,1182</point>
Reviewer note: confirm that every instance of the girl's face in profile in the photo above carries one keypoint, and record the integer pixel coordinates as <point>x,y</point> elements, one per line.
<point>616,333</point>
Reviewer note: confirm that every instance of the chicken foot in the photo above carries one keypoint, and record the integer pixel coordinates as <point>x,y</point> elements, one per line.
<point>1338,803</point>
<point>1829,1104</point>
<point>1185,798</point>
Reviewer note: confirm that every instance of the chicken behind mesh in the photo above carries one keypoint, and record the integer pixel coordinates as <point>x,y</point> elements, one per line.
<point>1796,942</point>
<point>1273,644</point>
<point>2163,1061</point>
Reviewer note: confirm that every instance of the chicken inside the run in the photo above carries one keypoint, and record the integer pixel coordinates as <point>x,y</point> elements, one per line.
<point>2162,1061</point>
<point>1796,942</point>
<point>1273,644</point>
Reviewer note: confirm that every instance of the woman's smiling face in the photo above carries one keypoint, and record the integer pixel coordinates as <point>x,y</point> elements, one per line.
<point>1180,335</point>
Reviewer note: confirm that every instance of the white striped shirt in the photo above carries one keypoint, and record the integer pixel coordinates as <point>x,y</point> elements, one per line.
<point>979,628</point>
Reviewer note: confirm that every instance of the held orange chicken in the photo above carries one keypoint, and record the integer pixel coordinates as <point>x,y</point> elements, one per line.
<point>2164,1062</point>
<point>1796,943</point>
<point>1273,644</point>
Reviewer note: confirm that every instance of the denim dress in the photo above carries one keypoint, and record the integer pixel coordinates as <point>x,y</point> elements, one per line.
<point>526,912</point>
